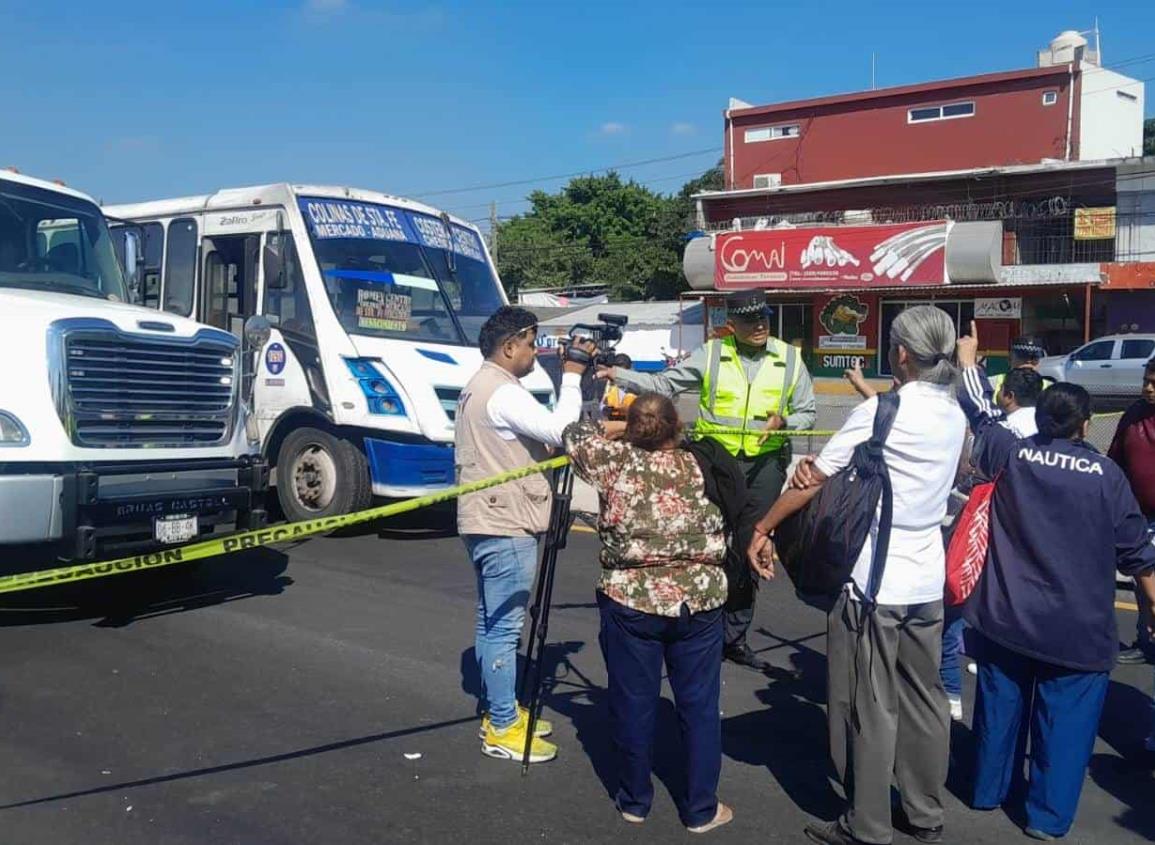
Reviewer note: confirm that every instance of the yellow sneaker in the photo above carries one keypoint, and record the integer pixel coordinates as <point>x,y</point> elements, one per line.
<point>543,727</point>
<point>509,744</point>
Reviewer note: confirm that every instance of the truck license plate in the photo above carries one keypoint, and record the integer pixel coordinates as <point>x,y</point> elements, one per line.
<point>175,529</point>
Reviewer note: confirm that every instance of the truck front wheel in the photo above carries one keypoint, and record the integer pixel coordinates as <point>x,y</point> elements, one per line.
<point>319,474</point>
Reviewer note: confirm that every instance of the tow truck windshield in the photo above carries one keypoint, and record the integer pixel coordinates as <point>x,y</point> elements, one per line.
<point>55,242</point>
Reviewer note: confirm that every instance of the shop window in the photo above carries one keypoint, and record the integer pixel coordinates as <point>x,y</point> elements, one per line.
<point>961,313</point>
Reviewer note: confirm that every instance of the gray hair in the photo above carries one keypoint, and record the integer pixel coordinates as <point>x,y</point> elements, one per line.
<point>928,336</point>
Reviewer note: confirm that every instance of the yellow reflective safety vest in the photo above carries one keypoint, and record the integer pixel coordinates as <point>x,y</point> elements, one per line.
<point>997,386</point>
<point>729,401</point>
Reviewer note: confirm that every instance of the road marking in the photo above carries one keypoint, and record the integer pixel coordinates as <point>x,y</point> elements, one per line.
<point>1126,605</point>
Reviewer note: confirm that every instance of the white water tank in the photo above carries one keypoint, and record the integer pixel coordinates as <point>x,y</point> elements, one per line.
<point>1067,47</point>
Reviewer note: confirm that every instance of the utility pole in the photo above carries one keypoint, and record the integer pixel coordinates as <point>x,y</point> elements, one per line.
<point>493,231</point>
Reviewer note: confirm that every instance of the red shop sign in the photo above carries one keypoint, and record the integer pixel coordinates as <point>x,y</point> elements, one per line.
<point>833,256</point>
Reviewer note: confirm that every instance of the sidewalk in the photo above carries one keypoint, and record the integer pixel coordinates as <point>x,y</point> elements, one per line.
<point>832,386</point>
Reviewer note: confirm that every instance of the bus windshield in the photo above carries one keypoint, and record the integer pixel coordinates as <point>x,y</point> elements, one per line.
<point>52,241</point>
<point>395,273</point>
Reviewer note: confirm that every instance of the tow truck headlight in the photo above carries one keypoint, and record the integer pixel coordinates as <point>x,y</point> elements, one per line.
<point>12,431</point>
<point>379,394</point>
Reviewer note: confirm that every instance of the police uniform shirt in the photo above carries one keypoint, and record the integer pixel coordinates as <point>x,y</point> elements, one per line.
<point>689,375</point>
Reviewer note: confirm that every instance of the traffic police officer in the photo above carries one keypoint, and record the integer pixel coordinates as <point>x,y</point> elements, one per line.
<point>755,383</point>
<point>1026,351</point>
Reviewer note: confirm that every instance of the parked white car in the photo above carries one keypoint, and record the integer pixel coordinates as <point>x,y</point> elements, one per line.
<point>1109,367</point>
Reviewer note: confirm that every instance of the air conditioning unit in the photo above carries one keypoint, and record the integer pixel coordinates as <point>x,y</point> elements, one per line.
<point>768,180</point>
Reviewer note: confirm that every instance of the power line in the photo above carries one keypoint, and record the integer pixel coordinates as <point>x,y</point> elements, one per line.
<point>585,172</point>
<point>1146,57</point>
<point>511,201</point>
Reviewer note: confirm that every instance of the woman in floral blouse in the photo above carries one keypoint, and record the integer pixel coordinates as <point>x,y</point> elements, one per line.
<point>660,594</point>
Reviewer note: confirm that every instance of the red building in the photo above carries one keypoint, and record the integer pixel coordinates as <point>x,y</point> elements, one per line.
<point>1015,198</point>
<point>1017,117</point>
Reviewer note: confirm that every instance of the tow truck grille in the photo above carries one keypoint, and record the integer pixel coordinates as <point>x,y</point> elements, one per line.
<point>129,391</point>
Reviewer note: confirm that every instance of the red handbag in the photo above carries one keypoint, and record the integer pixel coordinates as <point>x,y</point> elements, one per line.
<point>966,555</point>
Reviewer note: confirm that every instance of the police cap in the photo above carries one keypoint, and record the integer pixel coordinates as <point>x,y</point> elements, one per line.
<point>1028,348</point>
<point>746,303</point>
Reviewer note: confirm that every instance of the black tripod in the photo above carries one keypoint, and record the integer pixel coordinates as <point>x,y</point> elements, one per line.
<point>555,539</point>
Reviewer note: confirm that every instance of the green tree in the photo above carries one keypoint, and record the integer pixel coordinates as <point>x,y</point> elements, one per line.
<point>1149,137</point>
<point>602,230</point>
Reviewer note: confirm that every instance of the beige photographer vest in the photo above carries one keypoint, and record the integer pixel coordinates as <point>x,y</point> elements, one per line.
<point>516,508</point>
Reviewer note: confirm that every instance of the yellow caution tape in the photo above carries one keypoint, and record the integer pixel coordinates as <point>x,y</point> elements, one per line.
<point>782,432</point>
<point>290,531</point>
<point>243,541</point>
<point>273,534</point>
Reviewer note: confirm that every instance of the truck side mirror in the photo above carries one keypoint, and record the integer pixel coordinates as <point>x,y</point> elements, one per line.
<point>257,331</point>
<point>134,264</point>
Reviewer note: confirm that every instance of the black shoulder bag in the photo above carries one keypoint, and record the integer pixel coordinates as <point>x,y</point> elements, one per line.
<point>819,545</point>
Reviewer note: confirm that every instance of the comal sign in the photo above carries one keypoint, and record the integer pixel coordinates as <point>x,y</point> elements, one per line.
<point>833,256</point>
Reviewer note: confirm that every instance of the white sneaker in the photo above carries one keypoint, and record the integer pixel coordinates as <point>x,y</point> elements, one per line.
<point>973,668</point>
<point>956,711</point>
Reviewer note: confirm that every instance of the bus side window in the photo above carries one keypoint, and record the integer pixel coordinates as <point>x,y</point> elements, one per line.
<point>286,300</point>
<point>180,266</point>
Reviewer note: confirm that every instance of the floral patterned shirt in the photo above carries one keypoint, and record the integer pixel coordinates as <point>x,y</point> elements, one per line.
<point>663,541</point>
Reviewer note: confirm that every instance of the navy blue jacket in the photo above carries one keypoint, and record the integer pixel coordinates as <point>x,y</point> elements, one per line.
<point>1063,517</point>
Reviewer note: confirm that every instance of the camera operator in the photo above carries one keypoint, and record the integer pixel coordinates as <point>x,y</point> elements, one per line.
<point>750,381</point>
<point>501,427</point>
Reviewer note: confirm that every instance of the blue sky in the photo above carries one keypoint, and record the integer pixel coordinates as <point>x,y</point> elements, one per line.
<point>134,100</point>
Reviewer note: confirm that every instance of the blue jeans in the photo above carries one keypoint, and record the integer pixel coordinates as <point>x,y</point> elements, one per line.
<point>634,645</point>
<point>950,670</point>
<point>505,568</point>
<point>1063,706</point>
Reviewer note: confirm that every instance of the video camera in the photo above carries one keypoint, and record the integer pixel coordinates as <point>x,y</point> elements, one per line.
<point>605,336</point>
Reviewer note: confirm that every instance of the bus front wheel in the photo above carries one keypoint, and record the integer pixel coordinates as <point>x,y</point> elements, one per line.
<point>319,474</point>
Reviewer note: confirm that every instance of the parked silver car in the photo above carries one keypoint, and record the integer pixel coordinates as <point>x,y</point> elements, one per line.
<point>1111,368</point>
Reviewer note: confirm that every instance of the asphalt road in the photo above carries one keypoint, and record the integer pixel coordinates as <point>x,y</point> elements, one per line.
<point>273,698</point>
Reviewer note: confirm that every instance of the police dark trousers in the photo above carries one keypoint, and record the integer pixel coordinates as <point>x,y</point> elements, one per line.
<point>765,477</point>
<point>1063,707</point>
<point>635,645</point>
<point>887,713</point>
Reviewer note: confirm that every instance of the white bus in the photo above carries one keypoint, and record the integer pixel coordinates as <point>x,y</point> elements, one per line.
<point>375,302</point>
<point>120,429</point>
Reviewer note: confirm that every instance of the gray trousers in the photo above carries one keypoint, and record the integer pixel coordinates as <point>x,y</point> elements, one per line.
<point>888,715</point>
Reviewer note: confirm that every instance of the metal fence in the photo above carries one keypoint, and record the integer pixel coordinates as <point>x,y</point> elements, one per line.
<point>1034,232</point>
